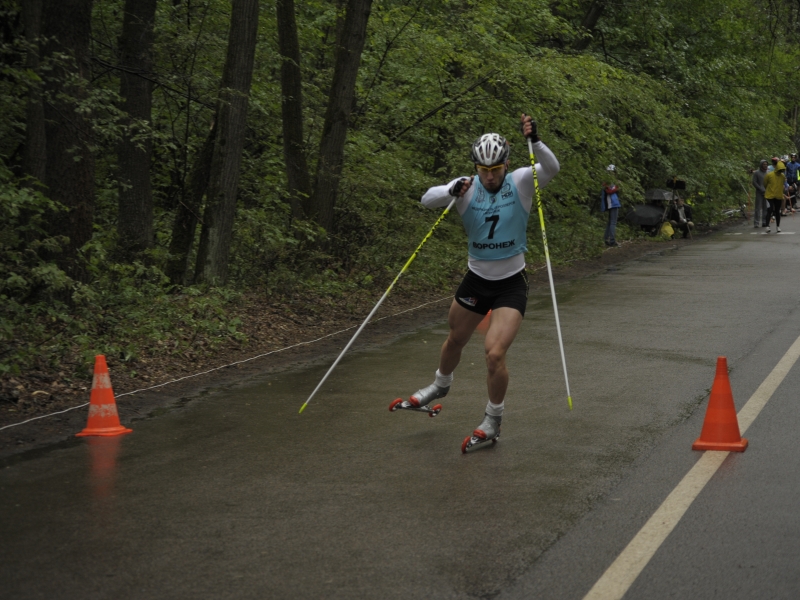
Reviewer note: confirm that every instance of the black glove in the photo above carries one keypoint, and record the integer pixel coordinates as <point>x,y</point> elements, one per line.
<point>534,136</point>
<point>534,132</point>
<point>455,190</point>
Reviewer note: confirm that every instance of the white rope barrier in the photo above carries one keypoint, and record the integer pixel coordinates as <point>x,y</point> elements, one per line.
<point>233,364</point>
<point>43,416</point>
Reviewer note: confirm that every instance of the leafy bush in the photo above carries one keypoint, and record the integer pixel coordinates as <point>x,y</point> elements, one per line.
<point>47,318</point>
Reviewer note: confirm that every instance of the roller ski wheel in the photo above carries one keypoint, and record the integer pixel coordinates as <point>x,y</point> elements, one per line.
<point>400,404</point>
<point>477,438</point>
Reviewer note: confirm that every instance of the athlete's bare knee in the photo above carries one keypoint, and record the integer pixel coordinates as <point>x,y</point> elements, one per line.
<point>462,324</point>
<point>455,342</point>
<point>495,360</point>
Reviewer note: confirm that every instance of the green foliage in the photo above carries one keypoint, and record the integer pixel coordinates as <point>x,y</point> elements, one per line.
<point>665,88</point>
<point>25,245</point>
<point>126,312</point>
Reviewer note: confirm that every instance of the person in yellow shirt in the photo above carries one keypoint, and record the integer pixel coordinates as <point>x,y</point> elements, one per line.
<point>773,183</point>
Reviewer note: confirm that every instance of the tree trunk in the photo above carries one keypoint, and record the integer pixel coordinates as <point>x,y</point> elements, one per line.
<point>34,158</point>
<point>795,133</point>
<point>70,164</point>
<point>589,23</point>
<point>294,151</point>
<point>186,217</point>
<point>135,208</point>
<point>349,46</point>
<point>215,237</point>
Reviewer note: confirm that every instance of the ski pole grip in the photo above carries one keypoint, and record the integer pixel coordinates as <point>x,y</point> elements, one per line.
<point>534,134</point>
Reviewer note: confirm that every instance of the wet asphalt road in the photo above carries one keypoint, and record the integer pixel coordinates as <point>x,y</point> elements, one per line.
<point>235,495</point>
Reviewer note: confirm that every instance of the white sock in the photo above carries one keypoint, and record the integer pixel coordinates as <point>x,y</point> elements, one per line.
<point>443,381</point>
<point>495,410</point>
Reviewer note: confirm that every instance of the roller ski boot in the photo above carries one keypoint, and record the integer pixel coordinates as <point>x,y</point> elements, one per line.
<point>420,399</point>
<point>487,431</point>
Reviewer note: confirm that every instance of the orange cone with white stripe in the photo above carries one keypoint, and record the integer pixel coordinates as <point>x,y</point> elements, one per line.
<point>103,417</point>
<point>721,425</point>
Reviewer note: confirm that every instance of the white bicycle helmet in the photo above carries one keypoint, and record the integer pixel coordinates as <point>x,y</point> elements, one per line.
<point>489,150</point>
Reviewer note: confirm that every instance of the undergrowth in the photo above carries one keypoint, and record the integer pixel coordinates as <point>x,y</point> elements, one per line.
<point>52,321</point>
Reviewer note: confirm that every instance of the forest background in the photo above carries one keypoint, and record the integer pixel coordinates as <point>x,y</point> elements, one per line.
<point>172,166</point>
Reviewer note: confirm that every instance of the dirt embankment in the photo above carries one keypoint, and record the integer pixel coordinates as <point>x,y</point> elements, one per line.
<point>309,334</point>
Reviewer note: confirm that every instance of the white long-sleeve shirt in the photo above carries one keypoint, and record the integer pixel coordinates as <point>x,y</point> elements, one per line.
<point>547,167</point>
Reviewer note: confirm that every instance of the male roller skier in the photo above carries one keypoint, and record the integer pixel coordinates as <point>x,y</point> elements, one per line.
<point>495,210</point>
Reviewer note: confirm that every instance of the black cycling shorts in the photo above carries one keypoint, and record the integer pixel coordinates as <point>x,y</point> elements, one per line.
<point>481,295</point>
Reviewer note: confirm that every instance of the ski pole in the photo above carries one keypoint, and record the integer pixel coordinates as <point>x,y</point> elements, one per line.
<point>549,268</point>
<point>374,310</point>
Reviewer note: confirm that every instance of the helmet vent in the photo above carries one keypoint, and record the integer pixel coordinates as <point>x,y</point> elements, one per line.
<point>489,150</point>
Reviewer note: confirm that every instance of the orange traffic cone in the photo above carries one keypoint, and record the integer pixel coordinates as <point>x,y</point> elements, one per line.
<point>483,326</point>
<point>103,417</point>
<point>721,427</point>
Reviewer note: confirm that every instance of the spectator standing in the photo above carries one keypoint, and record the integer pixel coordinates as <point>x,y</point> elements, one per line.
<point>759,211</point>
<point>680,217</point>
<point>771,168</point>
<point>793,170</point>
<point>773,184</point>
<point>609,202</point>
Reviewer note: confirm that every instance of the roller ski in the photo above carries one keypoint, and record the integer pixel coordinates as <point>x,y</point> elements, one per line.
<point>420,400</point>
<point>487,431</point>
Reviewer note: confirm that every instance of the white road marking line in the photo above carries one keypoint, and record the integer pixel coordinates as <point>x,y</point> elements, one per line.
<point>619,577</point>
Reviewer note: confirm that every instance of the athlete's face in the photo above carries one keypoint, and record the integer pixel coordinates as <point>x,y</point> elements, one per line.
<point>492,177</point>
